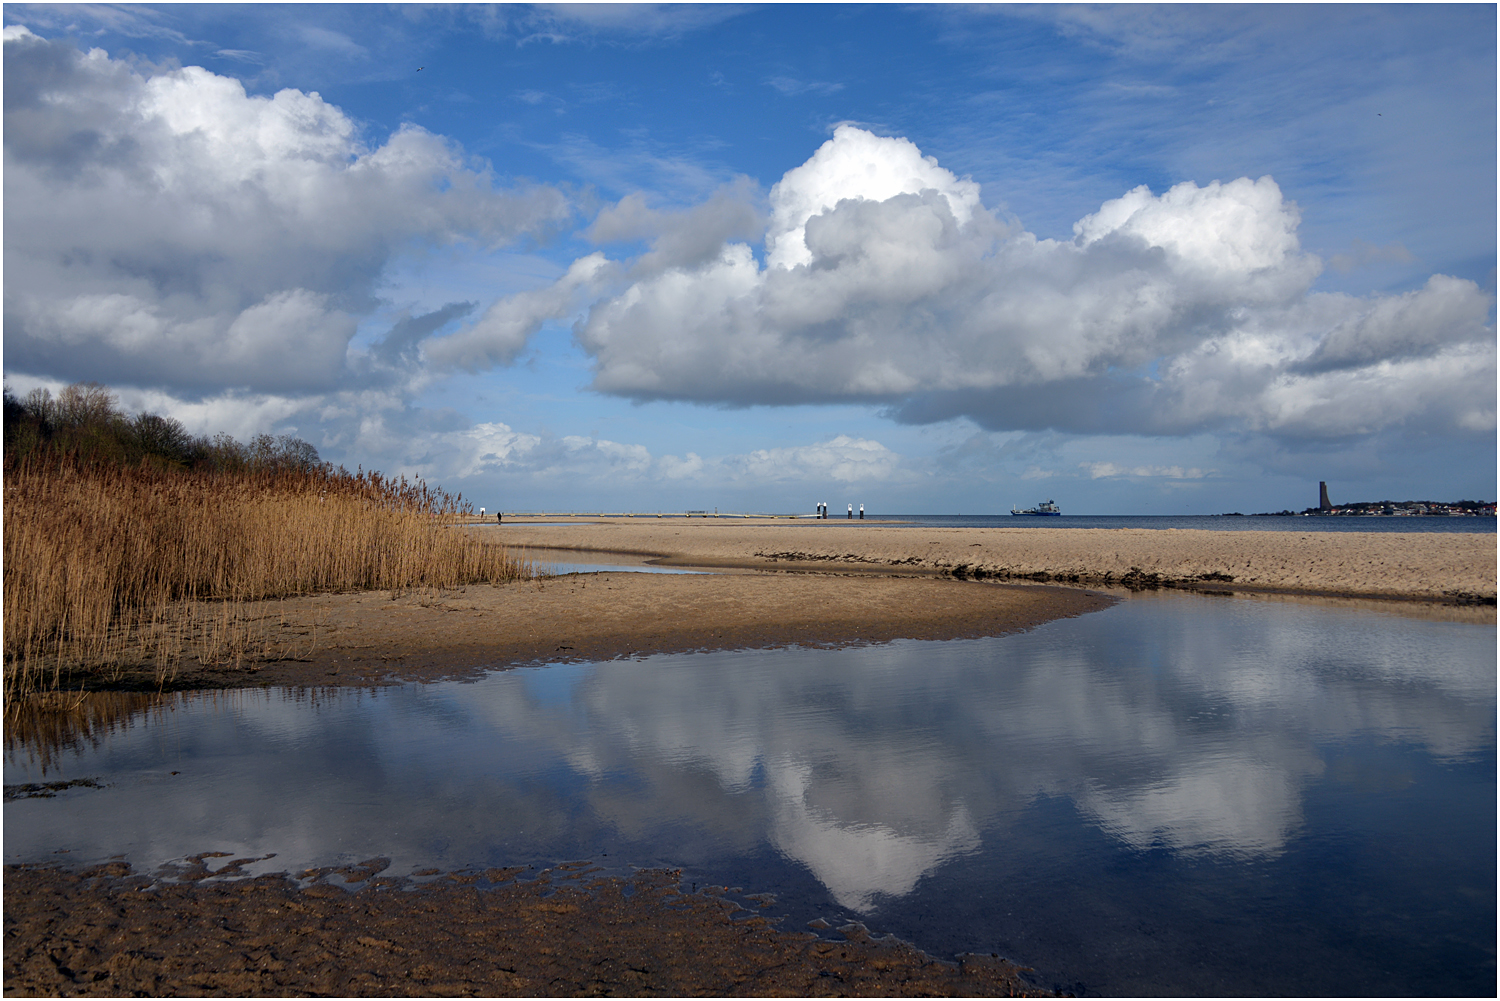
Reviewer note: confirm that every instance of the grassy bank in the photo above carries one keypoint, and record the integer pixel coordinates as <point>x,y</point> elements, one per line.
<point>107,565</point>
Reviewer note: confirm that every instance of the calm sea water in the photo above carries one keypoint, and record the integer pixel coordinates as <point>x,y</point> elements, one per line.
<point>1218,523</point>
<point>1177,795</point>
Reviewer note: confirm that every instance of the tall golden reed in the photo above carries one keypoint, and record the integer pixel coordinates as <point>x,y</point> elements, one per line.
<point>99,558</point>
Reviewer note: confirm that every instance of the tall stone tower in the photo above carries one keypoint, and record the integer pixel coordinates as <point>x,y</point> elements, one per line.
<point>1323,504</point>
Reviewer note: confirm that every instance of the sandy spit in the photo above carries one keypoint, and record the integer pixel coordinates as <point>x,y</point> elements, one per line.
<point>379,637</point>
<point>1425,565</point>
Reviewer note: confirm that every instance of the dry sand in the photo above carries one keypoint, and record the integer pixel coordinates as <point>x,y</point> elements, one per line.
<point>1424,565</point>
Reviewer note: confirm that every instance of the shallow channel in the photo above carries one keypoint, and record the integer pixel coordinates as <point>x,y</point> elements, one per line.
<point>1177,795</point>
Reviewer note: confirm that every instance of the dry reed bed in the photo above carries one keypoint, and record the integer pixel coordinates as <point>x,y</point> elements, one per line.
<point>108,564</point>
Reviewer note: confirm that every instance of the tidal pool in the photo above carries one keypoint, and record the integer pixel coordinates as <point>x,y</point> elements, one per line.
<point>1176,795</point>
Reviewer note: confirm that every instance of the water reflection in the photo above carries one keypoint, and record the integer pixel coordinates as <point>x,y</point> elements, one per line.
<point>45,727</point>
<point>1211,730</point>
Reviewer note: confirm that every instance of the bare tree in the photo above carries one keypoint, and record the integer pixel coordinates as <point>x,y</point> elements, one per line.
<point>86,404</point>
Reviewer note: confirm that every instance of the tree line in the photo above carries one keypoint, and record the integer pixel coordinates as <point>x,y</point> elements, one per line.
<point>84,424</point>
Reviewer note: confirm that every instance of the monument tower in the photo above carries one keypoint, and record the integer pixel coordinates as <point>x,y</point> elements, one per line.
<point>1323,504</point>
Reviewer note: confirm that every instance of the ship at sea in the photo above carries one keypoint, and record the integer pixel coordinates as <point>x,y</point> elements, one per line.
<point>1046,507</point>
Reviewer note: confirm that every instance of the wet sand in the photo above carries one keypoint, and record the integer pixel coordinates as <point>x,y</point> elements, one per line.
<point>379,637</point>
<point>104,932</point>
<point>1428,566</point>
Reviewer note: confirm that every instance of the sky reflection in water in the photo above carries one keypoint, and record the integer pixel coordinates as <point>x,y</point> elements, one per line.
<point>1148,799</point>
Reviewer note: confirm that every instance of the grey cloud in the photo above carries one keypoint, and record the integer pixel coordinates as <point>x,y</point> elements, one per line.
<point>683,238</point>
<point>1077,406</point>
<point>502,332</point>
<point>678,239</point>
<point>1446,311</point>
<point>403,337</point>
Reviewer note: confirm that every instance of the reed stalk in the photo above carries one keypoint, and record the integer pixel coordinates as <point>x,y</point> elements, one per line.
<point>107,565</point>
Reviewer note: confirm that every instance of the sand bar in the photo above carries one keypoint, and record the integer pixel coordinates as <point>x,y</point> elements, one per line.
<point>380,637</point>
<point>1434,566</point>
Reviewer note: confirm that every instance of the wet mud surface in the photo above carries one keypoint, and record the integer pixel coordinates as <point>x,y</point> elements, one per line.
<point>106,931</point>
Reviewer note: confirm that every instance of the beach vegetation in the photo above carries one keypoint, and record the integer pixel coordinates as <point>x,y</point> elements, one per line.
<point>129,542</point>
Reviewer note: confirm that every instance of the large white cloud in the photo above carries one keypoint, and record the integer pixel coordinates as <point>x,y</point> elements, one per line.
<point>886,279</point>
<point>171,230</point>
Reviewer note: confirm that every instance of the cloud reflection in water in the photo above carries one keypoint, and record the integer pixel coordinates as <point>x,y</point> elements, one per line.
<point>1188,724</point>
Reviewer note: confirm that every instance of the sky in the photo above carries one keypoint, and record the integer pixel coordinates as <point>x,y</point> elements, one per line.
<point>942,260</point>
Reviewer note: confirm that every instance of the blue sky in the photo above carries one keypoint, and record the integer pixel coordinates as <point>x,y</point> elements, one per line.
<point>928,259</point>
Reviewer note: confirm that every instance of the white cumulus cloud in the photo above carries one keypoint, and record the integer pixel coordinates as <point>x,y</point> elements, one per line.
<point>886,279</point>
<point>172,230</point>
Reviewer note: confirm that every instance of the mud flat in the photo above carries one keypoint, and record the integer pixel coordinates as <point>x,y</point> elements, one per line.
<point>105,932</point>
<point>1425,566</point>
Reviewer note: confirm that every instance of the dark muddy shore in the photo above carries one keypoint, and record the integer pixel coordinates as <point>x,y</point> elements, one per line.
<point>105,932</point>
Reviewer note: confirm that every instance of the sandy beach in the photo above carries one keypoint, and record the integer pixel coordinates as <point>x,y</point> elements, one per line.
<point>1431,566</point>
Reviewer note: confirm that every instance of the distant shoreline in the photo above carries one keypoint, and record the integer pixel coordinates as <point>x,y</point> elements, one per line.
<point>1230,522</point>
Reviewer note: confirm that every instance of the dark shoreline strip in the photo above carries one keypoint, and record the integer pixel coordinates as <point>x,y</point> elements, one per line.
<point>104,931</point>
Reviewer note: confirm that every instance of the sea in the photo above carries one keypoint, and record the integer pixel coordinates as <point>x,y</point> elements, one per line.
<point>1210,522</point>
